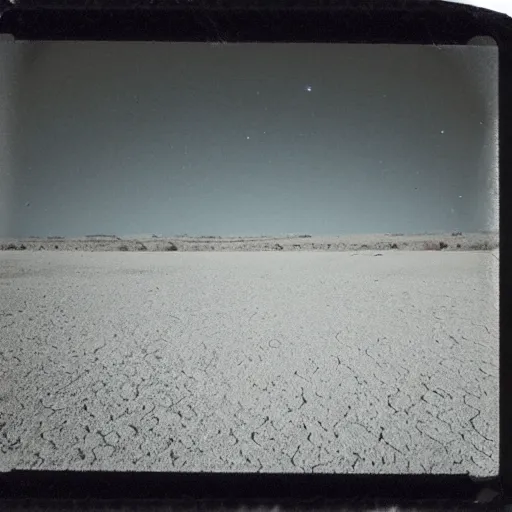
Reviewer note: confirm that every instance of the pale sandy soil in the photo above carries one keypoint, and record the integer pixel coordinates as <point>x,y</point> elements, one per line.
<point>378,242</point>
<point>245,362</point>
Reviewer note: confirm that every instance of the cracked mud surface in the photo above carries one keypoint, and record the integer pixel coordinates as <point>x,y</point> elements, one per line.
<point>247,362</point>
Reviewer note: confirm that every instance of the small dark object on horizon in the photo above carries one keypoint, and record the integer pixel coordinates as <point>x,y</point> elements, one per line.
<point>434,246</point>
<point>458,246</point>
<point>11,247</point>
<point>102,236</point>
<point>278,247</point>
<point>123,247</point>
<point>304,236</point>
<point>378,254</point>
<point>394,246</point>
<point>457,233</point>
<point>170,247</point>
<point>481,246</point>
<point>56,246</point>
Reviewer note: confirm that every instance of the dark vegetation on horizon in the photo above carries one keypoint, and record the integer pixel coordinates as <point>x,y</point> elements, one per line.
<point>108,243</point>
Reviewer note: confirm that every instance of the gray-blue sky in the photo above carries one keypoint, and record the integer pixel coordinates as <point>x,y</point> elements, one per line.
<point>247,139</point>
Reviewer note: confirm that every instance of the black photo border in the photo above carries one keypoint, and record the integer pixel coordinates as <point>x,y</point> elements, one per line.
<point>350,21</point>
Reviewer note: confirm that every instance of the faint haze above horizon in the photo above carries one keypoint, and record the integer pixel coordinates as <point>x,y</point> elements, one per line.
<point>246,139</point>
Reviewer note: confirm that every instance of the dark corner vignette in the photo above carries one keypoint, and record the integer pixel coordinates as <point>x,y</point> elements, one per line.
<point>362,21</point>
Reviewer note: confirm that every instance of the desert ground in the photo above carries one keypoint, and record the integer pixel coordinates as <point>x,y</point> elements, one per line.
<point>329,361</point>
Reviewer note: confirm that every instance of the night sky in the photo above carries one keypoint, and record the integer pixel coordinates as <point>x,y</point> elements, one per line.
<point>246,139</point>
